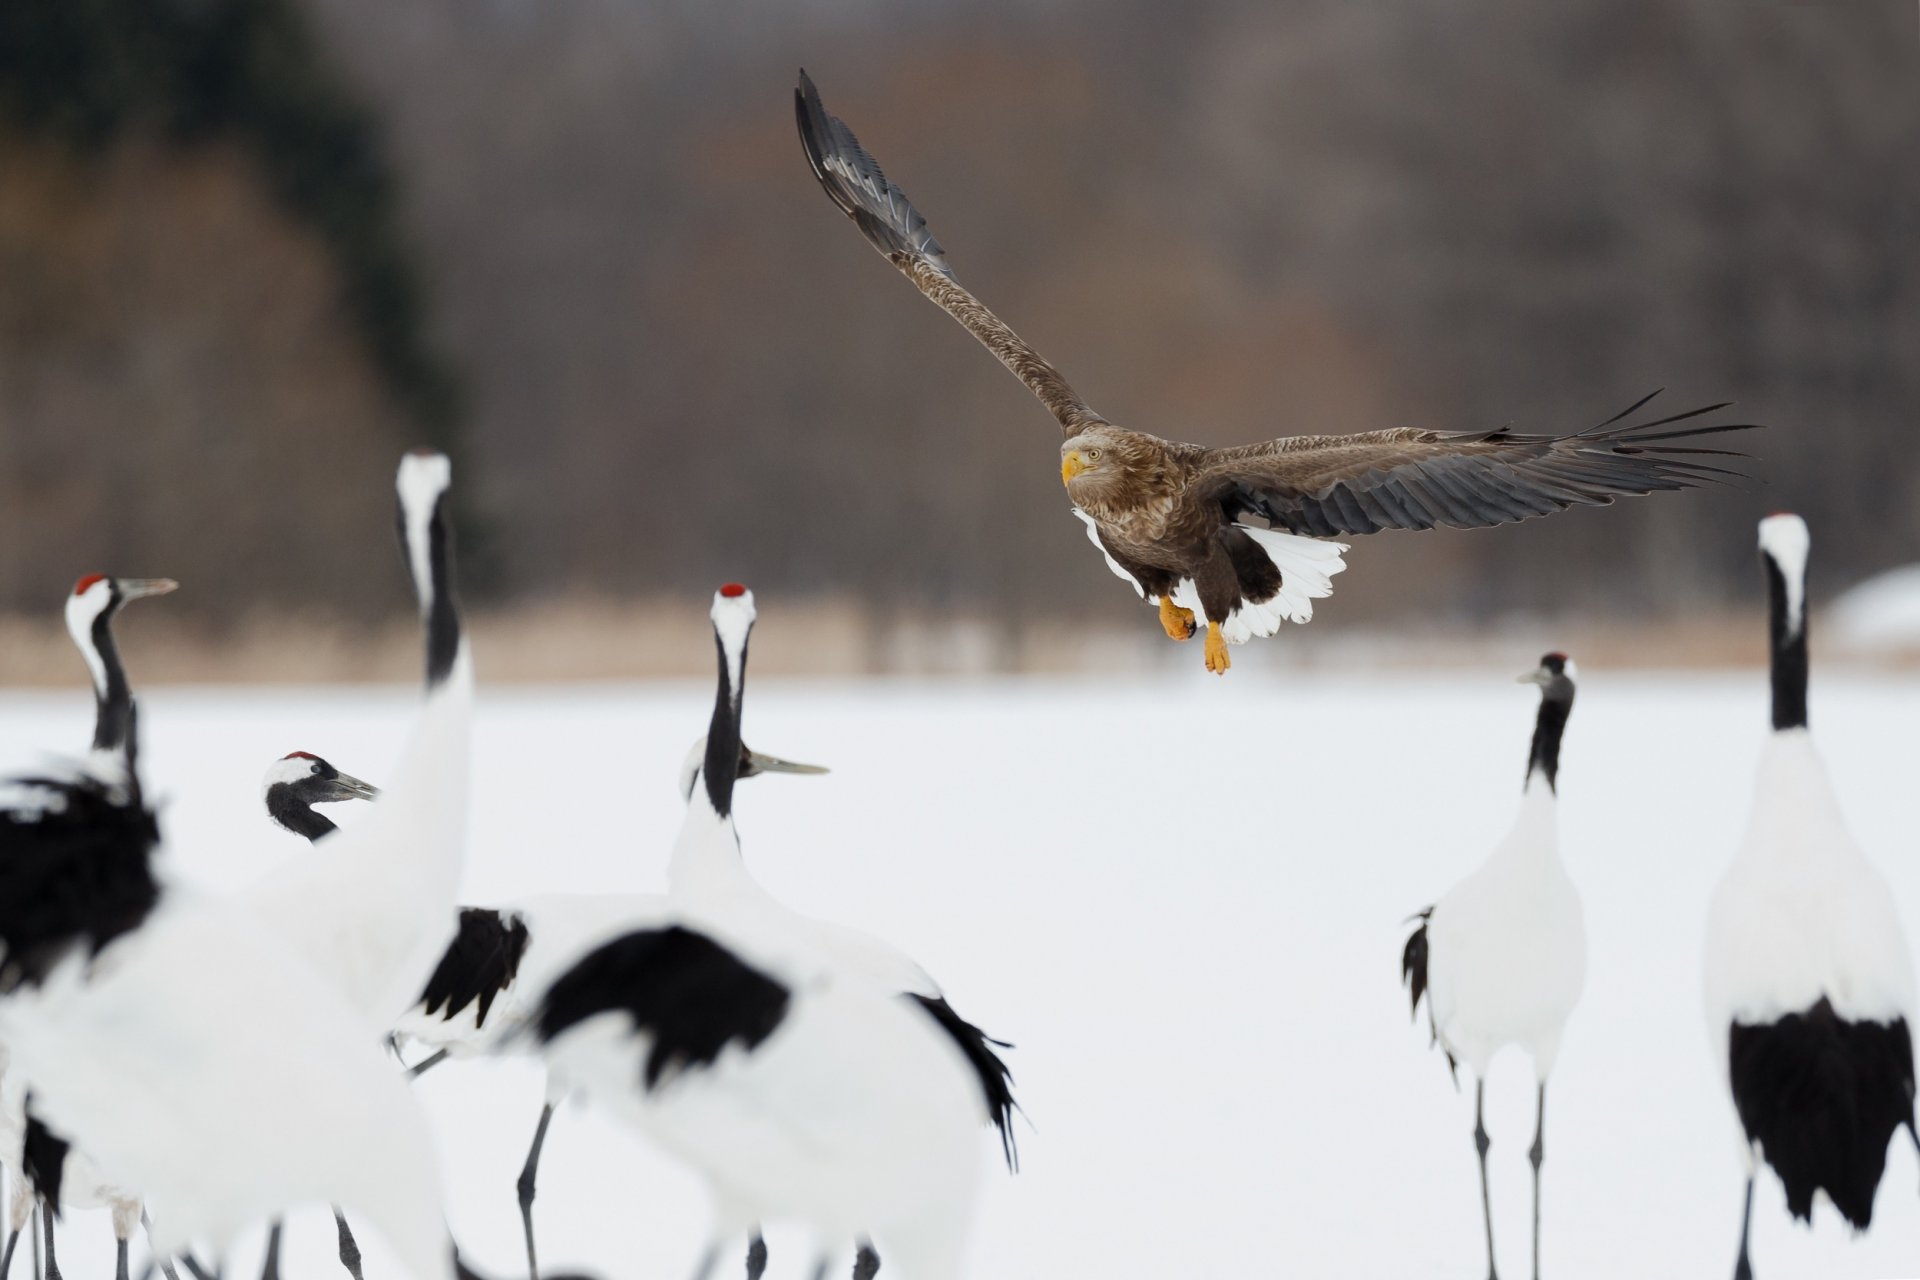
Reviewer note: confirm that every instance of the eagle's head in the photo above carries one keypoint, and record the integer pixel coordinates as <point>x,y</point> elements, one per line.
<point>1104,467</point>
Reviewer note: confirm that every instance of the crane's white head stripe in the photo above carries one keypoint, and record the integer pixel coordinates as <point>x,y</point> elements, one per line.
<point>424,477</point>
<point>1785,541</point>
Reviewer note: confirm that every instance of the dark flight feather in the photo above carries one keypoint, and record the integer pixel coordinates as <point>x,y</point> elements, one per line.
<point>75,870</point>
<point>996,1079</point>
<point>1823,1096</point>
<point>1413,974</point>
<point>688,994</point>
<point>1318,485</point>
<point>477,965</point>
<point>854,181</point>
<point>43,1158</point>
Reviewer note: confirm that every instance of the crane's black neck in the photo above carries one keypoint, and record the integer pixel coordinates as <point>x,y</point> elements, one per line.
<point>1543,758</point>
<point>113,697</point>
<point>441,615</point>
<point>721,768</point>
<point>286,807</point>
<point>1787,640</point>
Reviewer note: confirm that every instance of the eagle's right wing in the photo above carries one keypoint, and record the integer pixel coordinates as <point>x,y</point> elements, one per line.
<point>853,180</point>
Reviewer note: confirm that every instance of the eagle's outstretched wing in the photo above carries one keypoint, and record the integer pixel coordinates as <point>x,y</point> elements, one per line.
<point>853,180</point>
<point>1415,479</point>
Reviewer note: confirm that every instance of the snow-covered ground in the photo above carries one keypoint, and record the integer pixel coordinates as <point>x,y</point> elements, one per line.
<point>1183,899</point>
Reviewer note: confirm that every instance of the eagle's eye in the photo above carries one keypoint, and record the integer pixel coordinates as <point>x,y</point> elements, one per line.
<point>1093,455</point>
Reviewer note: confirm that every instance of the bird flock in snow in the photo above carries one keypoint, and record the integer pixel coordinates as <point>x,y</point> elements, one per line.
<point>808,1072</point>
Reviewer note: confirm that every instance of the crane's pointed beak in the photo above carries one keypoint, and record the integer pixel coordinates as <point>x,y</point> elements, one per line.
<point>755,762</point>
<point>348,787</point>
<point>134,588</point>
<point>1539,675</point>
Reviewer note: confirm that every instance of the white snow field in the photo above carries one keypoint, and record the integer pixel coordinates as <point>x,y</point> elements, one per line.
<point>1183,899</point>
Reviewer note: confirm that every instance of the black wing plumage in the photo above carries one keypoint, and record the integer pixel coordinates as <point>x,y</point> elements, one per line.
<point>477,965</point>
<point>43,1158</point>
<point>1413,973</point>
<point>996,1078</point>
<point>688,994</point>
<point>75,870</point>
<point>1823,1096</point>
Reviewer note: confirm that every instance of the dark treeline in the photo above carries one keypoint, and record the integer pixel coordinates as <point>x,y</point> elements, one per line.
<point>1224,221</point>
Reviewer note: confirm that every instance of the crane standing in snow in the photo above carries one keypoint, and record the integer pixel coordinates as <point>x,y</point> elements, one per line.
<point>1809,984</point>
<point>1502,957</point>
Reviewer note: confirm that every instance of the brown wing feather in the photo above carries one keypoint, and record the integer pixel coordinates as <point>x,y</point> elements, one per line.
<point>1414,479</point>
<point>854,181</point>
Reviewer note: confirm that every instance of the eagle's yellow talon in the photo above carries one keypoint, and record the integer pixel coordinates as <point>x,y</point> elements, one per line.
<point>1217,659</point>
<point>1178,622</point>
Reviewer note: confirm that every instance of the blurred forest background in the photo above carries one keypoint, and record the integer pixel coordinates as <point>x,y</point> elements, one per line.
<point>251,249</point>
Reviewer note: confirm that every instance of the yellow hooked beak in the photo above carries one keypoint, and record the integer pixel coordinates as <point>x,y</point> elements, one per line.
<point>1071,465</point>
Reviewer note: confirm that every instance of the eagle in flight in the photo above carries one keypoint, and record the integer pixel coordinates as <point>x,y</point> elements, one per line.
<point>1238,538</point>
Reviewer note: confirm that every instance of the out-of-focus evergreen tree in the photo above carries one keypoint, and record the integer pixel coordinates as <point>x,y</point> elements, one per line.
<point>90,72</point>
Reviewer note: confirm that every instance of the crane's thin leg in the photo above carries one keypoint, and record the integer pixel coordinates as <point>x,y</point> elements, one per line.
<point>426,1064</point>
<point>166,1263</point>
<point>1480,1144</point>
<point>19,1213</point>
<point>270,1266</point>
<point>756,1256</point>
<point>39,1268</point>
<point>866,1263</point>
<point>528,1173</point>
<point>198,1271</point>
<point>1535,1154</point>
<point>1743,1267</point>
<point>703,1269</point>
<point>53,1267</point>
<point>820,1267</point>
<point>120,1259</point>
<point>349,1247</point>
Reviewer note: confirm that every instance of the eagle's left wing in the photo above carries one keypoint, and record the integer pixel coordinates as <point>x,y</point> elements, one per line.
<point>1415,479</point>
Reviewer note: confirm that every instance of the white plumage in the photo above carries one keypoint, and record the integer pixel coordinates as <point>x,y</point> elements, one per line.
<point>708,880</point>
<point>1801,913</point>
<point>226,1121</point>
<point>1507,947</point>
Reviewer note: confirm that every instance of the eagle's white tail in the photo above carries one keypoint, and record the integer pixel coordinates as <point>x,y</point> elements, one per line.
<point>1306,565</point>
